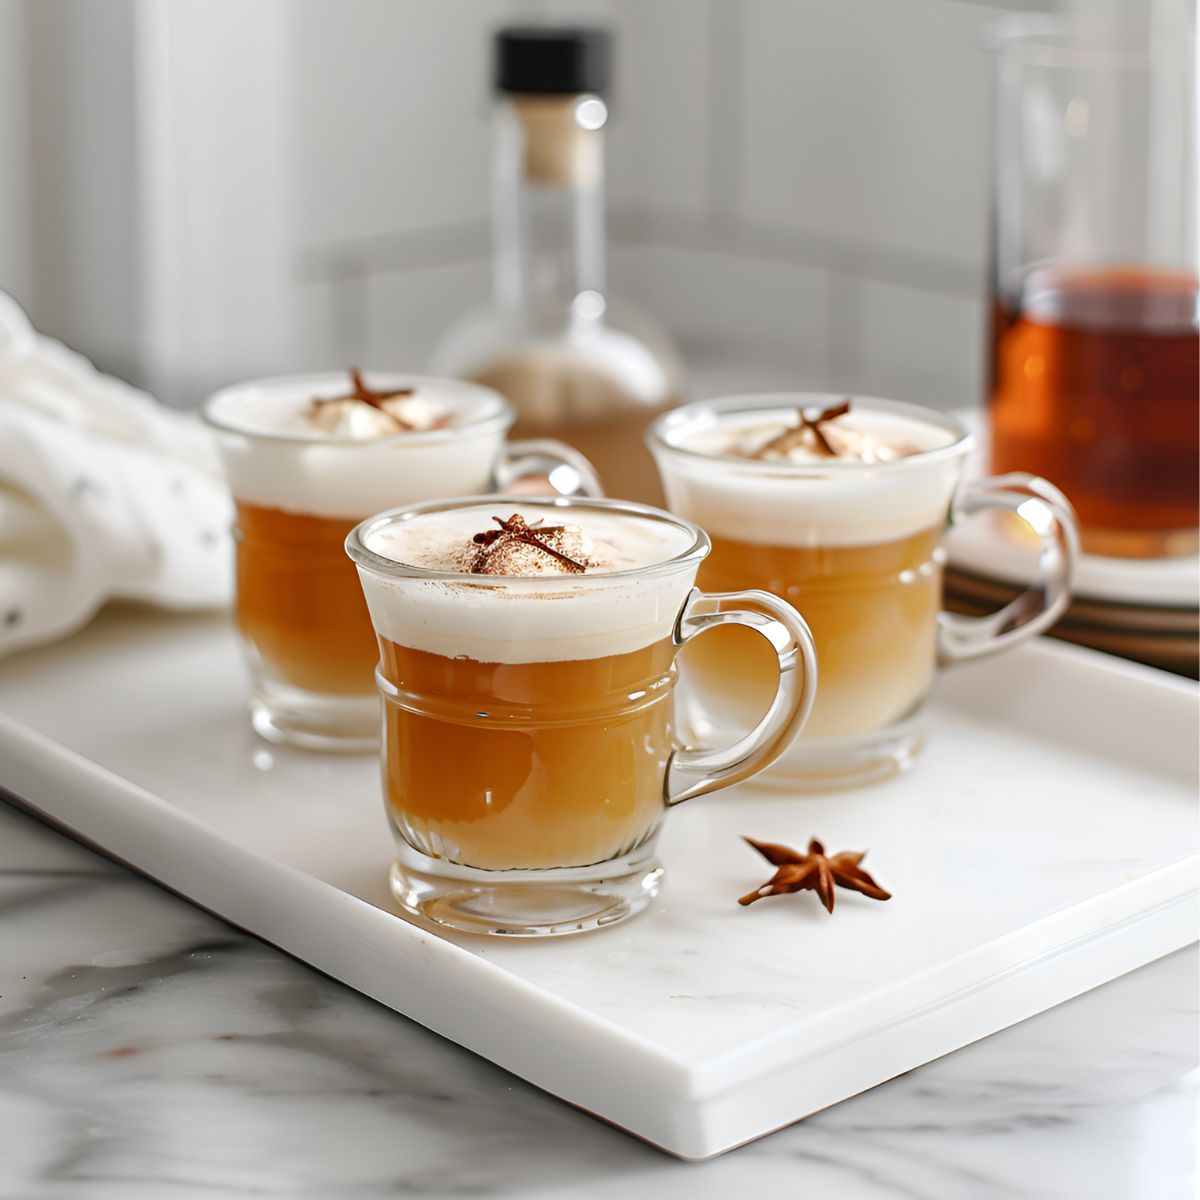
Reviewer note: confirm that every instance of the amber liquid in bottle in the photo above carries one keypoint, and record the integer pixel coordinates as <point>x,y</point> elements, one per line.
<point>595,411</point>
<point>1094,385</point>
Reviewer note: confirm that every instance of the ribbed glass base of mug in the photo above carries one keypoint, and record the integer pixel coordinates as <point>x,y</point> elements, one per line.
<point>546,903</point>
<point>292,717</point>
<point>824,764</point>
<point>817,764</point>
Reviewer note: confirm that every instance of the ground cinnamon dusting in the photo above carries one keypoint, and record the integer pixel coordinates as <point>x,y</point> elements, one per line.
<point>517,531</point>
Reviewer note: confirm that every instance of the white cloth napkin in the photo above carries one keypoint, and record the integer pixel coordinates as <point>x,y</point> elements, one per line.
<point>104,493</point>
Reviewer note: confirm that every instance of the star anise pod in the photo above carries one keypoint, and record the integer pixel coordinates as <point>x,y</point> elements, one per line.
<point>368,395</point>
<point>811,420</point>
<point>815,871</point>
<point>517,529</point>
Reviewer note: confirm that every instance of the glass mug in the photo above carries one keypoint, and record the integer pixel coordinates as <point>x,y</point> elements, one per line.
<point>529,732</point>
<point>856,547</point>
<point>1094,363</point>
<point>307,637</point>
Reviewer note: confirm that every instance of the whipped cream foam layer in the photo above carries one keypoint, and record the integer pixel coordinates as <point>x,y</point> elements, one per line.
<point>349,417</point>
<point>544,614</point>
<point>859,436</point>
<point>347,459</point>
<point>888,480</point>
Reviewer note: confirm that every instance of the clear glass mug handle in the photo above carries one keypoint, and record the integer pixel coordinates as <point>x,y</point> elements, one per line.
<point>536,459</point>
<point>1049,514</point>
<point>692,771</point>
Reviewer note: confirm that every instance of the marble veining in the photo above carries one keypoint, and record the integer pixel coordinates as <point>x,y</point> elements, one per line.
<point>149,1050</point>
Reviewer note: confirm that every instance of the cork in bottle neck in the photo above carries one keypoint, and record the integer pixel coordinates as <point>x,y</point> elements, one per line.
<point>562,144</point>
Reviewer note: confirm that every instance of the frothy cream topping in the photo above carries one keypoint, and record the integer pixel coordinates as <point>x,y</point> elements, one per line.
<point>354,408</point>
<point>368,412</point>
<point>881,483</point>
<point>344,458</point>
<point>542,613</point>
<point>348,417</point>
<point>479,541</point>
<point>516,547</point>
<point>513,546</point>
<point>856,437</point>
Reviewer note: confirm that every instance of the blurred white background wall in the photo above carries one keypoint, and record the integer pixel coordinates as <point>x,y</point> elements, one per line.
<point>199,190</point>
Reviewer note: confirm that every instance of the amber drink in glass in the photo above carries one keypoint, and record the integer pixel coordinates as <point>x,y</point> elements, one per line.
<point>838,506</point>
<point>307,458</point>
<point>527,667</point>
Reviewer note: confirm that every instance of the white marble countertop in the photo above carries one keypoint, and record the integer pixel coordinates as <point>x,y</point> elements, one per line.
<point>149,1050</point>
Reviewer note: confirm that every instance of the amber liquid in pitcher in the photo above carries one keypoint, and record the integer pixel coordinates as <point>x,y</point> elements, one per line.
<point>1094,385</point>
<point>504,766</point>
<point>299,602</point>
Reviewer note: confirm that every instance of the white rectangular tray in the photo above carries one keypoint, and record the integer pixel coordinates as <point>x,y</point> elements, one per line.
<point>1044,843</point>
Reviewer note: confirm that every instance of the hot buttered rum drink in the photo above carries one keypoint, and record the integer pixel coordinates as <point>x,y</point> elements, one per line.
<point>307,458</point>
<point>794,506</point>
<point>527,675</point>
<point>298,606</point>
<point>298,600</point>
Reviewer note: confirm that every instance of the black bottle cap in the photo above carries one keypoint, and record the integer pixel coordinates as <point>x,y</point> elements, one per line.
<point>552,60</point>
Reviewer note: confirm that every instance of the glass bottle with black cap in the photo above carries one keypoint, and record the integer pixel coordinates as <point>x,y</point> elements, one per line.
<point>574,365</point>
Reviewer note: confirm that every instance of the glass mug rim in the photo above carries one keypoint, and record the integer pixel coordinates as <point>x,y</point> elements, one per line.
<point>665,432</point>
<point>495,415</point>
<point>363,556</point>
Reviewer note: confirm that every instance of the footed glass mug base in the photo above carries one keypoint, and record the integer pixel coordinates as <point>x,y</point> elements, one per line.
<point>289,716</point>
<point>823,764</point>
<point>543,903</point>
<point>826,764</point>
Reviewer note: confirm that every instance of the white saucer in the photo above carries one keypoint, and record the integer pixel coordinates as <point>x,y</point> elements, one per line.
<point>986,548</point>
